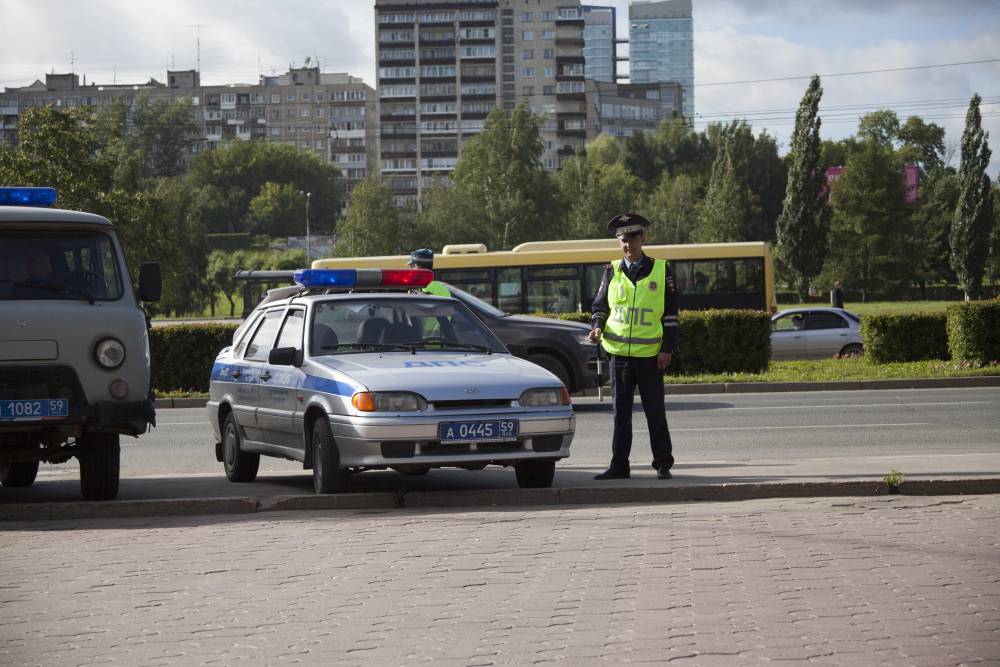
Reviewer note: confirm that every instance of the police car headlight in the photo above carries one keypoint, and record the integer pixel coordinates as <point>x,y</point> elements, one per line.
<point>536,398</point>
<point>388,401</point>
<point>109,353</point>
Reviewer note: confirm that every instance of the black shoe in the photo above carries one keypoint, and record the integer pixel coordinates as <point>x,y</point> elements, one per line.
<point>613,473</point>
<point>663,473</point>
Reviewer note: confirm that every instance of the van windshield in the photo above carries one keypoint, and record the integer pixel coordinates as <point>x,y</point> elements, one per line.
<point>66,265</point>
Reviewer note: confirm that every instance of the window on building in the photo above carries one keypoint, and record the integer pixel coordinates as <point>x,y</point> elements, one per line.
<point>548,54</point>
<point>527,35</point>
<point>528,72</point>
<point>527,54</point>
<point>528,91</point>
<point>527,17</point>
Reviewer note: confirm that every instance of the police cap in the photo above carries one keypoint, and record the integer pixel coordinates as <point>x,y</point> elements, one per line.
<point>627,224</point>
<point>422,258</point>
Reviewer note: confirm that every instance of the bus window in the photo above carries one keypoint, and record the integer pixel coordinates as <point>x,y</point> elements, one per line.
<point>702,279</point>
<point>749,276</point>
<point>509,290</point>
<point>477,283</point>
<point>554,290</point>
<point>682,274</point>
<point>594,274</point>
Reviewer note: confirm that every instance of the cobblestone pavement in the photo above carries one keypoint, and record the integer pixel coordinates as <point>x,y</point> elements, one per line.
<point>888,580</point>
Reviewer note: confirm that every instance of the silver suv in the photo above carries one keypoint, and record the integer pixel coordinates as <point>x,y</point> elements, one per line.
<point>74,348</point>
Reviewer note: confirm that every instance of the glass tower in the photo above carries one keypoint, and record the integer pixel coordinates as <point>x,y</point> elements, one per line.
<point>661,46</point>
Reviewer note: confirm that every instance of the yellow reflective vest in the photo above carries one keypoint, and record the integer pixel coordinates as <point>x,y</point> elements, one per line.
<point>437,288</point>
<point>634,327</point>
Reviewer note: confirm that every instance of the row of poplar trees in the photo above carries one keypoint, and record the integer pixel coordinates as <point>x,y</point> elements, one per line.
<point>805,239</point>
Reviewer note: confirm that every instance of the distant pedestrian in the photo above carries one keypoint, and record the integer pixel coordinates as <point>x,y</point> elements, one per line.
<point>837,295</point>
<point>635,319</point>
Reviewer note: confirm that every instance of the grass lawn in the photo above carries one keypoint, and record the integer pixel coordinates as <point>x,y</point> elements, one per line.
<point>849,369</point>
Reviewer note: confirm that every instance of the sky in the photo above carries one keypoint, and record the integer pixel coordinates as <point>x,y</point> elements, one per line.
<point>127,41</point>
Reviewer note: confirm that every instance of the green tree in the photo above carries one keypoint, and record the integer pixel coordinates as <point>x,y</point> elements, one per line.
<point>923,144</point>
<point>596,189</point>
<point>804,224</point>
<point>641,158</point>
<point>970,227</point>
<point>240,169</point>
<point>164,132</point>
<point>871,241</point>
<point>279,209</point>
<point>371,226</point>
<point>730,211</point>
<point>672,209</point>
<point>880,126</point>
<point>500,177</point>
<point>181,253</point>
<point>682,150</point>
<point>932,216</point>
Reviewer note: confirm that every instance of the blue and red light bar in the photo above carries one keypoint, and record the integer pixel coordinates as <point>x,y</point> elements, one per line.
<point>357,278</point>
<point>27,196</point>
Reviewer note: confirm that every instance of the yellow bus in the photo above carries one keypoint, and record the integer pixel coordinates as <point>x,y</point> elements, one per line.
<point>563,276</point>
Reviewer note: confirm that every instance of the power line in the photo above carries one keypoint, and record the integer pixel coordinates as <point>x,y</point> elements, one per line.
<point>870,71</point>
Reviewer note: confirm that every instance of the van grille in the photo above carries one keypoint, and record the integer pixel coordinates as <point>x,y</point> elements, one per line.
<point>19,382</point>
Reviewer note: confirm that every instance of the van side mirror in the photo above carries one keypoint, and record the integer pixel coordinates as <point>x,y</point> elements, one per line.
<point>284,356</point>
<point>150,282</point>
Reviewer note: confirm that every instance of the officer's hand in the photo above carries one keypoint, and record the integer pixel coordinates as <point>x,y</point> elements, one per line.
<point>662,360</point>
<point>595,335</point>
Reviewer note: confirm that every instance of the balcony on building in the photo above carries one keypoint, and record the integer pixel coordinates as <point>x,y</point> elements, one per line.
<point>569,36</point>
<point>569,16</point>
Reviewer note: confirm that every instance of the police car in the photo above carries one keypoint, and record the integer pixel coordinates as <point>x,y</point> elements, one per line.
<point>74,350</point>
<point>353,370</point>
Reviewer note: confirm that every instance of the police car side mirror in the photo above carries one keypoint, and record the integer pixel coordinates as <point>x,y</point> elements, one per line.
<point>150,282</point>
<point>284,356</point>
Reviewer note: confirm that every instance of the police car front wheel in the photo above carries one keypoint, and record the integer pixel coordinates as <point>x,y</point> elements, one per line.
<point>532,474</point>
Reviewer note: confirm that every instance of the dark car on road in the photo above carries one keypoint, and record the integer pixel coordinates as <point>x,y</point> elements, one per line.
<point>558,346</point>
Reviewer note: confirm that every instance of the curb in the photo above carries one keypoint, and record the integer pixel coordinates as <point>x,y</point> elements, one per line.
<point>486,499</point>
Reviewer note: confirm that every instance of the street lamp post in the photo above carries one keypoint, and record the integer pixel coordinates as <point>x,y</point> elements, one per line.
<point>308,242</point>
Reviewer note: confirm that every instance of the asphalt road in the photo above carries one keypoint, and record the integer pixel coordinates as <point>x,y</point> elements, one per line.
<point>714,430</point>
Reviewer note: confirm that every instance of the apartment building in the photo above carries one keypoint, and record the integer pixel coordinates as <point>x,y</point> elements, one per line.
<point>330,115</point>
<point>600,37</point>
<point>443,66</point>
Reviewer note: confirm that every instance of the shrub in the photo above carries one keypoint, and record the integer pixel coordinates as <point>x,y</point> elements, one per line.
<point>182,355</point>
<point>974,331</point>
<point>723,341</point>
<point>904,337</point>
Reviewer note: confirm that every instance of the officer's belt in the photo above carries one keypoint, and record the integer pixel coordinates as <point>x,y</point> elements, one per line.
<point>622,339</point>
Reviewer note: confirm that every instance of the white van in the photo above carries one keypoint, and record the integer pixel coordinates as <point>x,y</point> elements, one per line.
<point>74,345</point>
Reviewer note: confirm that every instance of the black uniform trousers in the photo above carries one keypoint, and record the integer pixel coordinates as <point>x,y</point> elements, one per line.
<point>626,374</point>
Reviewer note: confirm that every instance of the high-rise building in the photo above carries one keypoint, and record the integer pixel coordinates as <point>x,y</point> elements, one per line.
<point>599,37</point>
<point>661,45</point>
<point>622,109</point>
<point>443,66</point>
<point>327,114</point>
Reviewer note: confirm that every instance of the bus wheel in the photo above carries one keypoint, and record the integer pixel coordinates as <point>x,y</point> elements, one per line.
<point>552,365</point>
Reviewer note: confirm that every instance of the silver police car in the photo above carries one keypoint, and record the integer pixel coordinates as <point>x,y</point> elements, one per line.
<point>352,370</point>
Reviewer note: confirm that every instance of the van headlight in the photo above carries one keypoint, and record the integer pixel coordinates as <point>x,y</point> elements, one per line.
<point>388,401</point>
<point>537,398</point>
<point>109,353</point>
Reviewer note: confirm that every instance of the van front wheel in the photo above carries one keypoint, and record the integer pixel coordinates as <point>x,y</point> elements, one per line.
<point>100,459</point>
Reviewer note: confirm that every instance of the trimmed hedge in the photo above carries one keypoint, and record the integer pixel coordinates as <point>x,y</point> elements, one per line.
<point>182,355</point>
<point>905,337</point>
<point>723,341</point>
<point>715,341</point>
<point>974,331</point>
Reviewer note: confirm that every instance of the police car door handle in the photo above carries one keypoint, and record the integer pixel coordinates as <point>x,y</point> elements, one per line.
<point>236,373</point>
<point>265,376</point>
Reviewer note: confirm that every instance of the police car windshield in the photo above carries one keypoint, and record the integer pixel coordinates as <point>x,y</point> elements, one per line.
<point>58,265</point>
<point>405,323</point>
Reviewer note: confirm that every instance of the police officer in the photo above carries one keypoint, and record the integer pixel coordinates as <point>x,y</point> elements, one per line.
<point>424,259</point>
<point>635,317</point>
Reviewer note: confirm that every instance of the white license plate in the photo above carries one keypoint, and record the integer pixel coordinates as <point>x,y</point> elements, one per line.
<point>493,430</point>
<point>34,409</point>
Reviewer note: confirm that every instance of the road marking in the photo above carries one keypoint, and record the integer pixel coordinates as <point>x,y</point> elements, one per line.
<point>852,405</point>
<point>777,428</point>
